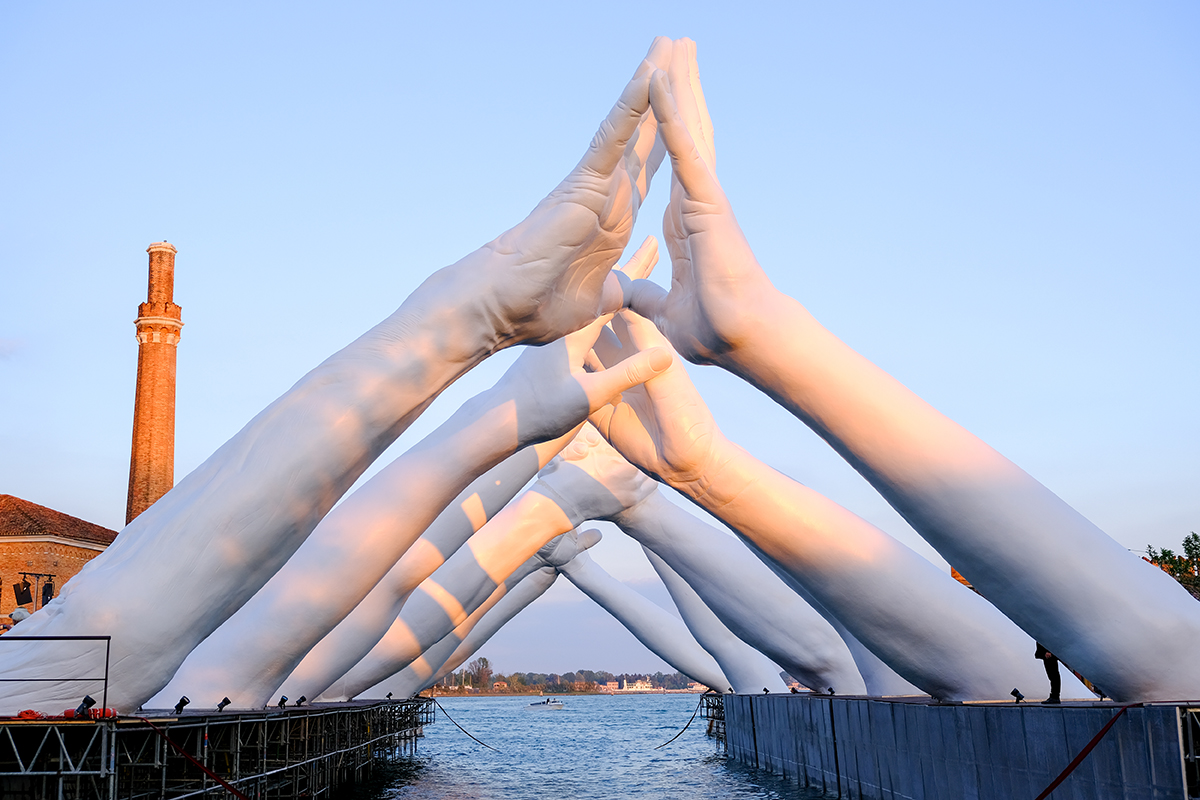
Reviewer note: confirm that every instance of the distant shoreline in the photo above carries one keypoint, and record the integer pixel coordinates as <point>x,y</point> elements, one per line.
<point>617,693</point>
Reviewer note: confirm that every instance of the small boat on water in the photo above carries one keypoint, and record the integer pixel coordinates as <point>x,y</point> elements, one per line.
<point>552,703</point>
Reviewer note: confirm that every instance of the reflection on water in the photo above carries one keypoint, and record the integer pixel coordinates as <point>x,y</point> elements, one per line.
<point>596,747</point>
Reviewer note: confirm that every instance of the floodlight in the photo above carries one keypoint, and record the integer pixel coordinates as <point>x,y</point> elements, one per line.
<point>282,700</point>
<point>88,702</point>
<point>221,705</point>
<point>1018,697</point>
<point>183,701</point>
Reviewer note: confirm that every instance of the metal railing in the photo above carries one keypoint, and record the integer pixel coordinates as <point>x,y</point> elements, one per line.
<point>1189,745</point>
<point>107,654</point>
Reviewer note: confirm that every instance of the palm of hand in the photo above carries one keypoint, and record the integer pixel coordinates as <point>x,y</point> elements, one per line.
<point>561,550</point>
<point>700,313</point>
<point>670,436</point>
<point>717,285</point>
<point>561,253</point>
<point>595,479</point>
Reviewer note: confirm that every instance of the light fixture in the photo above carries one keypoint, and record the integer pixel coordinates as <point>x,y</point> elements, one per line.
<point>88,702</point>
<point>1017,695</point>
<point>282,700</point>
<point>300,702</point>
<point>221,705</point>
<point>766,690</point>
<point>183,701</point>
<point>23,593</point>
<point>389,695</point>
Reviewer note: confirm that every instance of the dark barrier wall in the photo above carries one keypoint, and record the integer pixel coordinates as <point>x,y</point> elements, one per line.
<point>895,750</point>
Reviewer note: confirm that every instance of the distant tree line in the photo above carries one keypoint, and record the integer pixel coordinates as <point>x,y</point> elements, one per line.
<point>1184,568</point>
<point>479,675</point>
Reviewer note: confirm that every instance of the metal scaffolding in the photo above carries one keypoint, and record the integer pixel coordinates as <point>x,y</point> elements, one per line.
<point>275,755</point>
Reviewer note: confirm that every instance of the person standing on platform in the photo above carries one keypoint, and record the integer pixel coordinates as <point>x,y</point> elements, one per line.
<point>1050,661</point>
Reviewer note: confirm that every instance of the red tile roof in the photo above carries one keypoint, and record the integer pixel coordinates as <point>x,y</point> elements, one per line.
<point>22,518</point>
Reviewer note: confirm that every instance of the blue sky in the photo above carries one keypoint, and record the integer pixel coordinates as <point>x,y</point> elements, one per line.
<point>996,203</point>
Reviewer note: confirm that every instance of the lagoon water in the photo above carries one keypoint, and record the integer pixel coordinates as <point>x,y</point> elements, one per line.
<point>598,746</point>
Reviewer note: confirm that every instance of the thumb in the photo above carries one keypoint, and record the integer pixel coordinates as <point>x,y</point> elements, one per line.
<point>602,387</point>
<point>647,299</point>
<point>617,284</point>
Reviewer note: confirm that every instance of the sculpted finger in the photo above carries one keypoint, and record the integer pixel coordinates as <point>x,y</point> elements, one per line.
<point>689,168</point>
<point>640,160</point>
<point>643,261</point>
<point>641,331</point>
<point>679,76</point>
<point>602,387</point>
<point>614,295</point>
<point>608,145</point>
<point>660,51</point>
<point>648,299</point>
<point>601,418</point>
<point>587,539</point>
<point>608,348</point>
<point>655,159</point>
<point>706,126</point>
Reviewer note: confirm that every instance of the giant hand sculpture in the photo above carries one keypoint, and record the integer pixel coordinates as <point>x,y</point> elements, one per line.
<point>591,480</point>
<point>447,604</point>
<point>748,670</point>
<point>207,546</point>
<point>1012,537</point>
<point>361,630</point>
<point>452,652</point>
<point>935,633</point>
<point>663,634</point>
<point>544,395</point>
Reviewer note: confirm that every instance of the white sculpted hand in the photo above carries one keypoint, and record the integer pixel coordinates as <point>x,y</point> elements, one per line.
<point>563,548</point>
<point>662,426</point>
<point>590,480</point>
<point>551,393</point>
<point>557,260</point>
<point>716,282</point>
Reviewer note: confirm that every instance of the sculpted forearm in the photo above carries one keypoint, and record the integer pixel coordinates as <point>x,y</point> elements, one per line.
<point>661,632</point>
<point>354,636</point>
<point>744,594</point>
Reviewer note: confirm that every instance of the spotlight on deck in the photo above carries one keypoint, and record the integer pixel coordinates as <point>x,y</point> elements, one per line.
<point>183,701</point>
<point>389,695</point>
<point>88,702</point>
<point>300,702</point>
<point>282,700</point>
<point>224,702</point>
<point>1018,697</point>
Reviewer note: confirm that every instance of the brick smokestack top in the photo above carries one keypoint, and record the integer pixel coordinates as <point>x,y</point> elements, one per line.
<point>152,462</point>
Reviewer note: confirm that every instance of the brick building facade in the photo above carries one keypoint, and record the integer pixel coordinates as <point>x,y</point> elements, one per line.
<point>36,539</point>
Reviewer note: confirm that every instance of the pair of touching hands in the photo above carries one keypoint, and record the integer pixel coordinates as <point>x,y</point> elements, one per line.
<point>564,251</point>
<point>556,273</point>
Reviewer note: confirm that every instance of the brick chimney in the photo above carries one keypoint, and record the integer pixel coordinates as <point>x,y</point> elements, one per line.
<point>152,463</point>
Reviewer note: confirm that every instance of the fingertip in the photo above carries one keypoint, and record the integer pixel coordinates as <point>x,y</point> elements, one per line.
<point>660,50</point>
<point>660,90</point>
<point>660,359</point>
<point>641,263</point>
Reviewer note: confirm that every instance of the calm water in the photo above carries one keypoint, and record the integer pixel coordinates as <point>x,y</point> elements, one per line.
<point>596,747</point>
